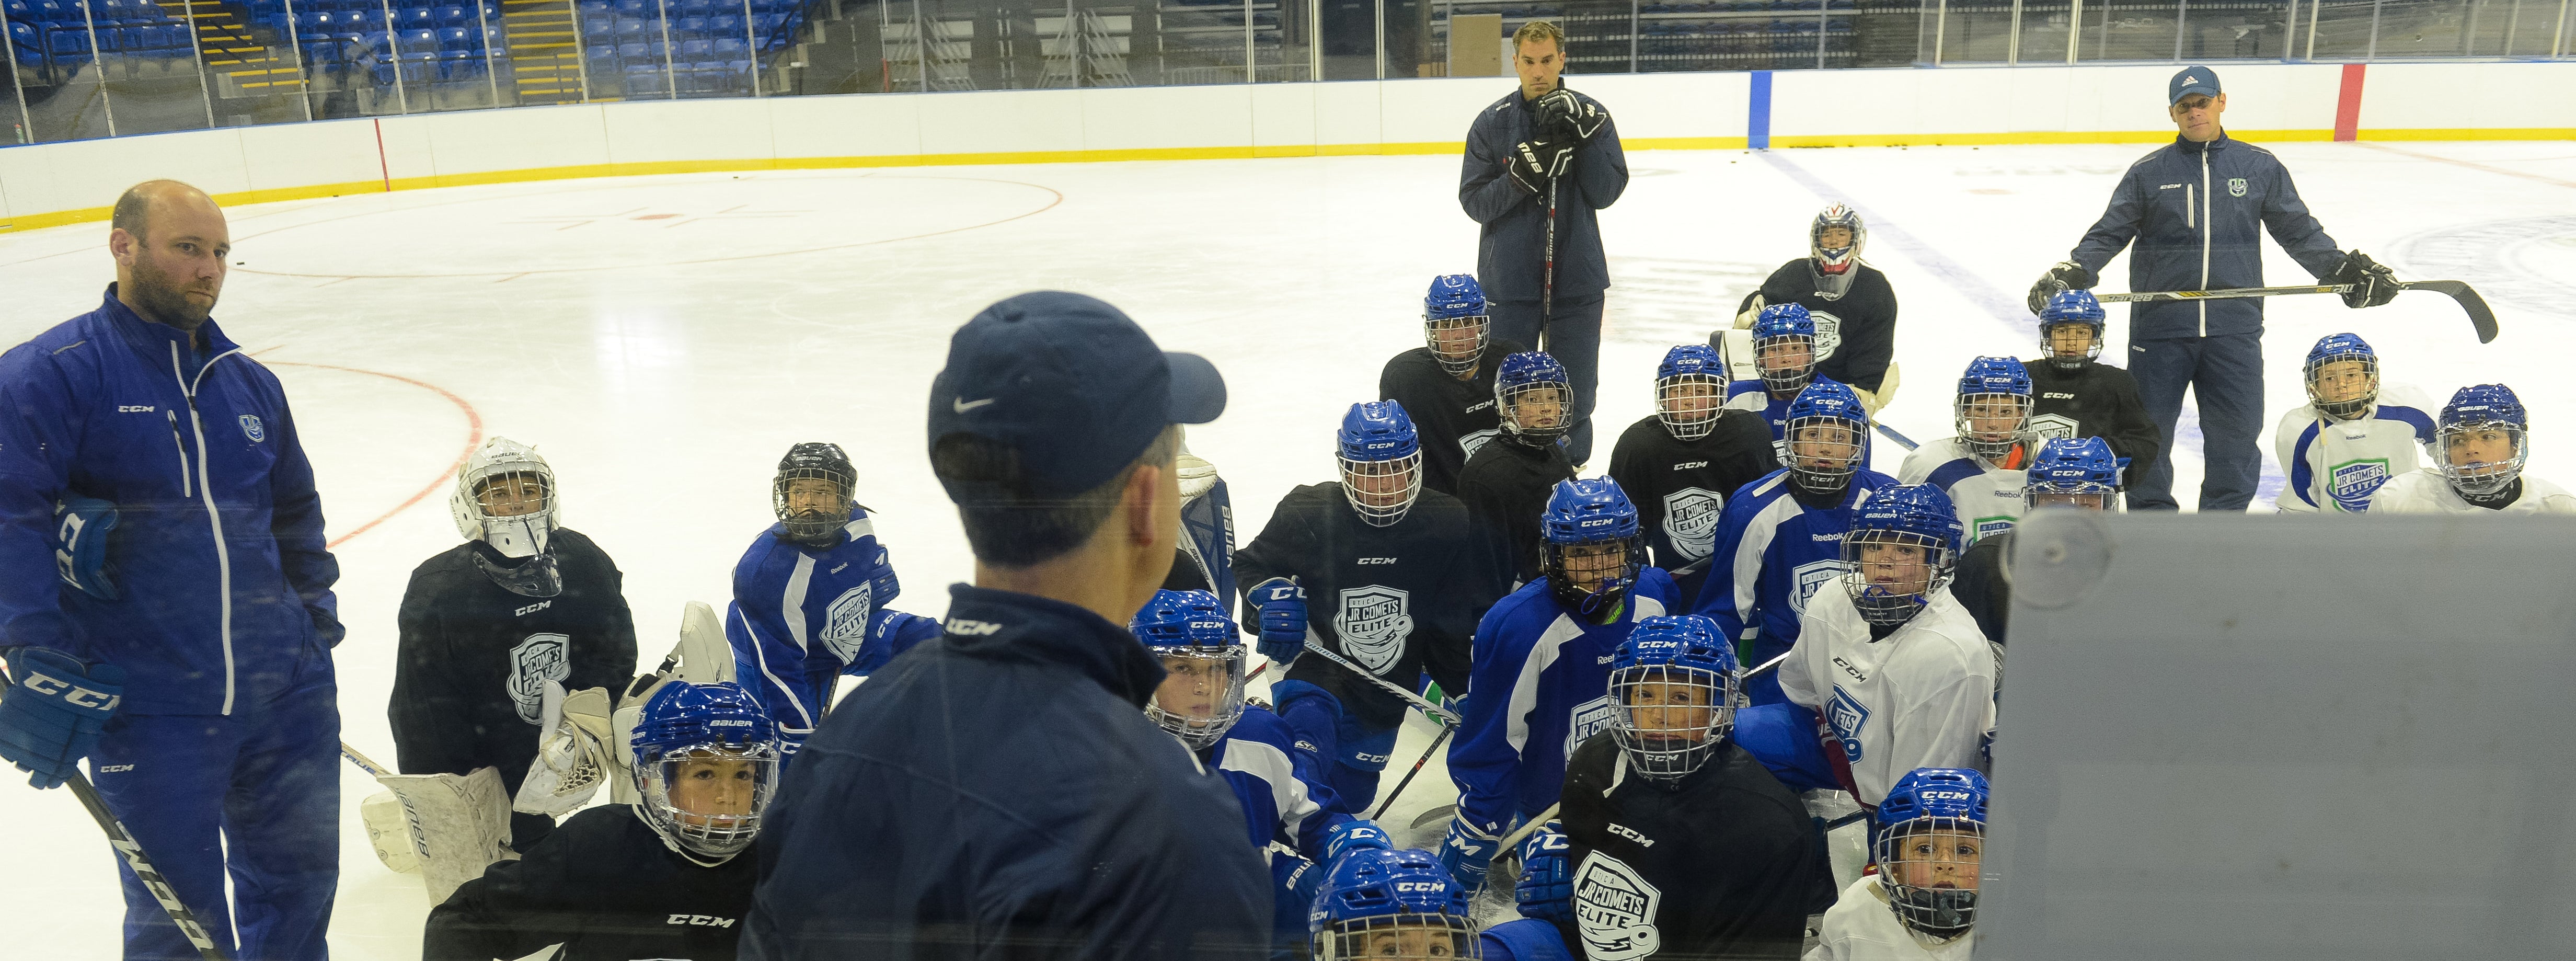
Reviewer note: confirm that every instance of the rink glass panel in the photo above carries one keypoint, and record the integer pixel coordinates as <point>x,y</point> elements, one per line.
<point>96,68</point>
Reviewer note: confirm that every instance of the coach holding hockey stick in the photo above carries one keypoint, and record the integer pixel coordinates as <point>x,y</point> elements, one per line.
<point>2197,209</point>
<point>1539,162</point>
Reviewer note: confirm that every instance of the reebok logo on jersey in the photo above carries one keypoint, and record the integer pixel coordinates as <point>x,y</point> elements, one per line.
<point>1826,538</point>
<point>2054,395</point>
<point>837,568</point>
<point>700,921</point>
<point>1688,464</point>
<point>1375,560</point>
<point>134,408</point>
<point>1614,910</point>
<point>966,628</point>
<point>1630,833</point>
<point>532,608</point>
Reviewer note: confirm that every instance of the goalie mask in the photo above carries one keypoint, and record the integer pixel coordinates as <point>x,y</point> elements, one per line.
<point>1902,549</point>
<point>1930,843</point>
<point>1784,347</point>
<point>1381,461</point>
<point>505,497</point>
<point>1825,429</point>
<point>2342,375</point>
<point>1832,262</point>
<point>705,763</point>
<point>2483,440</point>
<point>813,493</point>
<point>2070,329</point>
<point>1533,396</point>
<point>1456,321</point>
<point>1992,408</point>
<point>1398,904</point>
<point>1690,391</point>
<point>1676,688</point>
<point>1202,691</point>
<point>1591,552</point>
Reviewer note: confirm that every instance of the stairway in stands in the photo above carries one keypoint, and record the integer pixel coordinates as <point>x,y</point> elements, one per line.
<point>234,57</point>
<point>545,51</point>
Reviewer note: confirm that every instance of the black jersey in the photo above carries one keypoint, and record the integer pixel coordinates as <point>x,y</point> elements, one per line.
<point>1400,600</point>
<point>1726,865</point>
<point>1983,586</point>
<point>2094,400</point>
<point>1680,487</point>
<point>1855,330</point>
<point>470,673</point>
<point>1454,417</point>
<point>604,886</point>
<point>1505,488</point>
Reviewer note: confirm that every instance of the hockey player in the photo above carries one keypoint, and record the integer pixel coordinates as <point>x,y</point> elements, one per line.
<point>1505,486</point>
<point>1395,905</point>
<point>1981,469</point>
<point>1542,665</point>
<point>2481,446</point>
<point>1853,307</point>
<point>2352,435</point>
<point>1681,465</point>
<point>2075,395</point>
<point>2080,474</point>
<point>1784,353</point>
<point>809,597</point>
<point>661,878</point>
<point>1398,579</point>
<point>485,624</point>
<point>1447,384</point>
<point>1778,541</point>
<point>1893,663</point>
<point>1931,838</point>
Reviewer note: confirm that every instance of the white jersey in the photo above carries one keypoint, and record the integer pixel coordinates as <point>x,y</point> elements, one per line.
<point>1988,498</point>
<point>1923,697</point>
<point>1861,926</point>
<point>2335,465</point>
<point>2426,491</point>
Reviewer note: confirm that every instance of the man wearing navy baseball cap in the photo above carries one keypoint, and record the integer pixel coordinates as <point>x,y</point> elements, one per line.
<point>2197,209</point>
<point>1000,791</point>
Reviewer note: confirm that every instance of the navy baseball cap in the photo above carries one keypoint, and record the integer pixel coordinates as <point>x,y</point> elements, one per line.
<point>2191,80</point>
<point>1070,384</point>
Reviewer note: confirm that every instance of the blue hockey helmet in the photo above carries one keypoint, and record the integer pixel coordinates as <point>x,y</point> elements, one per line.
<point>1674,687</point>
<point>2072,307</point>
<point>2474,412</point>
<point>1784,347</point>
<point>1372,897</point>
<point>1826,429</point>
<point>2344,392</point>
<point>1202,691</point>
<point>1456,319</point>
<point>1917,534</point>
<point>1930,843</point>
<point>1993,406</point>
<point>1690,390</point>
<point>1529,372</point>
<point>713,734</point>
<point>1591,554</point>
<point>2079,472</point>
<point>1381,461</point>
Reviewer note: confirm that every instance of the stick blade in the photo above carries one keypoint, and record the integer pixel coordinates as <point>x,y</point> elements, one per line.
<point>2480,315</point>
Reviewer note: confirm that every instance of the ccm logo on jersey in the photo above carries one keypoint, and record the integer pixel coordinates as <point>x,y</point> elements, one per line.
<point>1630,834</point>
<point>73,694</point>
<point>116,769</point>
<point>532,608</point>
<point>2053,395</point>
<point>700,921</point>
<point>1849,669</point>
<point>1472,408</point>
<point>1688,464</point>
<point>966,628</point>
<point>1377,560</point>
<point>134,408</point>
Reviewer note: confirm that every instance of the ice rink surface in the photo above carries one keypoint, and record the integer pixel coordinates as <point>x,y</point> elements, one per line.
<point>663,340</point>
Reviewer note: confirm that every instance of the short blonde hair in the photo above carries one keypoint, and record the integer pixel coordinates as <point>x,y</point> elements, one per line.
<point>1538,30</point>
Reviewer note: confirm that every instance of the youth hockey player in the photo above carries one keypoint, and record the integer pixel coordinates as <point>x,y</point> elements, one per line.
<point>1920,906</point>
<point>485,624</point>
<point>1447,384</point>
<point>1779,540</point>
<point>1506,485</point>
<point>1893,663</point>
<point>1784,352</point>
<point>1394,905</point>
<point>2080,474</point>
<point>1853,307</point>
<point>1681,465</point>
<point>662,878</point>
<point>2352,435</point>
<point>2481,446</point>
<point>1981,469</point>
<point>1542,665</point>
<point>2075,395</point>
<point>809,597</point>
<point>1398,579</point>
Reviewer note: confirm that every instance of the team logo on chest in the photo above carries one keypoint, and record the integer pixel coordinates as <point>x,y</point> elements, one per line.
<point>1614,910</point>
<point>1847,715</point>
<point>540,658</point>
<point>253,429</point>
<point>2236,186</point>
<point>1373,623</point>
<point>2050,427</point>
<point>2353,482</point>
<point>1829,333</point>
<point>1587,719</point>
<point>1690,521</point>
<point>1811,576</point>
<point>845,623</point>
<point>1476,441</point>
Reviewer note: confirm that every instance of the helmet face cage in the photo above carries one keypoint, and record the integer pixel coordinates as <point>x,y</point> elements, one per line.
<point>2481,478</point>
<point>1224,666</point>
<point>493,501</point>
<point>1433,327</point>
<point>1365,481</point>
<point>702,834</point>
<point>1693,424</point>
<point>1785,380</point>
<point>2087,496</point>
<point>1991,445</point>
<point>1509,399</point>
<point>812,525</point>
<point>2070,361</point>
<point>1838,215</point>
<point>1887,604</point>
<point>1665,742</point>
<point>2349,407</point>
<point>1930,866</point>
<point>1408,936</point>
<point>1561,573</point>
<point>1838,459</point>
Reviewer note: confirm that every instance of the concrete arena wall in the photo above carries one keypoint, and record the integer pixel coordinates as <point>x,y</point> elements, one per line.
<point>45,185</point>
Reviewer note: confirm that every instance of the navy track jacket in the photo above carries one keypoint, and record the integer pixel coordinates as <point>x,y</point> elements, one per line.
<point>2198,213</point>
<point>218,551</point>
<point>1511,254</point>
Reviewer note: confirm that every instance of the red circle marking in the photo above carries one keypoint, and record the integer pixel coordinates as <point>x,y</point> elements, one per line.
<point>472,419</point>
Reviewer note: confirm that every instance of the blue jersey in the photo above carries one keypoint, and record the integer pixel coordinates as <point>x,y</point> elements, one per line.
<point>1749,395</point>
<point>1280,785</point>
<point>801,616</point>
<point>1773,553</point>
<point>1540,685</point>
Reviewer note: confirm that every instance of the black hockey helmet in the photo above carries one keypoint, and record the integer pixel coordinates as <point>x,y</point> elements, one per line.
<point>814,460</point>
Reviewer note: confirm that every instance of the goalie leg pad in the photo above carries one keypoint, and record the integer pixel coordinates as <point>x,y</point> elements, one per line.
<point>459,825</point>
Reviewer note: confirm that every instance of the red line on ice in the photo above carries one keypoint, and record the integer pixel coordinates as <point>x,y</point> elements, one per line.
<point>473,419</point>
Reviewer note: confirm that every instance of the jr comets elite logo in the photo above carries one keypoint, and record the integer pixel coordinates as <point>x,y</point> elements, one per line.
<point>1587,719</point>
<point>1810,576</point>
<point>2050,427</point>
<point>2351,483</point>
<point>1476,441</point>
<point>845,623</point>
<point>540,658</point>
<point>1847,717</point>
<point>253,429</point>
<point>1614,910</point>
<point>1373,623</point>
<point>2236,186</point>
<point>1690,521</point>
<point>1829,333</point>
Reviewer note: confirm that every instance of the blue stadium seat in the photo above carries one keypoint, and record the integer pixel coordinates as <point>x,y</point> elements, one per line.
<point>691,28</point>
<point>629,29</point>
<point>725,25</point>
<point>453,16</point>
<point>598,30</point>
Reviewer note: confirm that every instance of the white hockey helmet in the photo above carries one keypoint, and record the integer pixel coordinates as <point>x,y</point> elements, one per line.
<point>521,534</point>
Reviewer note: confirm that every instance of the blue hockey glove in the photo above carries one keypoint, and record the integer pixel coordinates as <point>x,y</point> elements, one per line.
<point>1283,618</point>
<point>54,710</point>
<point>1353,835</point>
<point>1546,891</point>
<point>81,526</point>
<point>1467,852</point>
<point>885,586</point>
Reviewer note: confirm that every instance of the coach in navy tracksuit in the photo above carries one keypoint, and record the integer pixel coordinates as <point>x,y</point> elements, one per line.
<point>2198,208</point>
<point>1538,133</point>
<point>211,600</point>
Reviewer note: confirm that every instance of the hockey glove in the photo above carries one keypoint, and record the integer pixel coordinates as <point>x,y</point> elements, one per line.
<point>54,710</point>
<point>1564,116</point>
<point>572,752</point>
<point>1283,619</point>
<point>2372,282</point>
<point>81,526</point>
<point>1752,312</point>
<point>1546,889</point>
<point>1536,162</point>
<point>1356,834</point>
<point>1467,852</point>
<point>2067,275</point>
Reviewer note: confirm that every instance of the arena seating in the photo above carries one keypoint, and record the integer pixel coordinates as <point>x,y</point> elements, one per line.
<point>55,37</point>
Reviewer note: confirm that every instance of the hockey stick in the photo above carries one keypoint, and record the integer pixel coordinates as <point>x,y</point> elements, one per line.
<point>372,768</point>
<point>1417,769</point>
<point>1547,290</point>
<point>2480,316</point>
<point>1901,440</point>
<point>1436,711</point>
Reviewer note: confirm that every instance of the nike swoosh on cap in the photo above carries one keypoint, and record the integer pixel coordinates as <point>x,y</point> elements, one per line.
<point>962,405</point>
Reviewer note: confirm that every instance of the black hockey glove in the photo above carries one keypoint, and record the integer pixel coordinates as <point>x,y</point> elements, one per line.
<point>1535,162</point>
<point>2372,282</point>
<point>2067,275</point>
<point>1564,116</point>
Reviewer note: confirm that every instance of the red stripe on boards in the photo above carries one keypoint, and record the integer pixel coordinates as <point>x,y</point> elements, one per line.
<point>2348,104</point>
